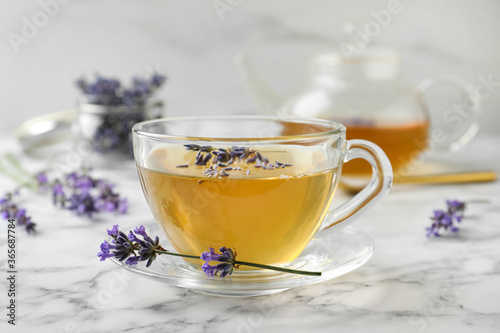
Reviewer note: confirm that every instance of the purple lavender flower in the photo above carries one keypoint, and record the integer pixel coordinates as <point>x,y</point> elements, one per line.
<point>105,256</point>
<point>132,237</point>
<point>58,195</point>
<point>74,191</point>
<point>209,255</point>
<point>131,247</point>
<point>83,200</point>
<point>141,230</point>
<point>82,204</point>
<point>148,249</point>
<point>42,178</point>
<point>124,246</point>
<point>456,209</point>
<point>141,87</point>
<point>225,269</point>
<point>21,213</point>
<point>109,91</point>
<point>156,80</point>
<point>106,247</point>
<point>209,270</point>
<point>105,250</point>
<point>123,206</point>
<point>113,231</point>
<point>445,219</point>
<point>29,226</point>
<point>133,260</point>
<point>226,258</point>
<point>134,249</point>
<point>109,207</point>
<point>108,200</point>
<point>10,210</point>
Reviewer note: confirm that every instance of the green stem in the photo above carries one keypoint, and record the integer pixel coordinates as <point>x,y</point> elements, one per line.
<point>15,163</point>
<point>178,254</point>
<point>16,177</point>
<point>21,182</point>
<point>245,263</point>
<point>276,268</point>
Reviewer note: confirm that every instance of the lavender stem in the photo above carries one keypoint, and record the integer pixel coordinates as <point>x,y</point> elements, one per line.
<point>245,263</point>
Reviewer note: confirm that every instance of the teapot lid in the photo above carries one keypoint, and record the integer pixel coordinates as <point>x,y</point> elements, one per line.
<point>374,63</point>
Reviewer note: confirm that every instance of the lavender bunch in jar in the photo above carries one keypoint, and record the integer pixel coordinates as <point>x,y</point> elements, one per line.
<point>108,111</point>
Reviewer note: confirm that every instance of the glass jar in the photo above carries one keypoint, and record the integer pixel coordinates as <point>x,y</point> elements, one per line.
<point>108,128</point>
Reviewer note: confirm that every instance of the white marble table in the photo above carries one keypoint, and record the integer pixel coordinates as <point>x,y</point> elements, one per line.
<point>411,284</point>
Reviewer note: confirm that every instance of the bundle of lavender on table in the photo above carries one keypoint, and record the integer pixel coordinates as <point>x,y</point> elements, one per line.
<point>76,191</point>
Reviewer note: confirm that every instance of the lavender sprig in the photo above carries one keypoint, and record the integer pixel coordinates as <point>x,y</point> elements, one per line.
<point>445,218</point>
<point>75,191</point>
<point>10,210</point>
<point>85,195</point>
<point>139,246</point>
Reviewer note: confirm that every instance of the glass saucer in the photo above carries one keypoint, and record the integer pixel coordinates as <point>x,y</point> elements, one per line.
<point>334,254</point>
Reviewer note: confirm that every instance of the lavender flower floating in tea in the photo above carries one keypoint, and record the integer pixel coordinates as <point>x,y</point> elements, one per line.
<point>222,159</point>
<point>138,246</point>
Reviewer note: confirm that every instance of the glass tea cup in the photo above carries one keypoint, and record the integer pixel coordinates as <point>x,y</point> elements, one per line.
<point>258,184</point>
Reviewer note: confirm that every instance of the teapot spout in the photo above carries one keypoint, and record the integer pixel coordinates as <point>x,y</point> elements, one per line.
<point>265,100</point>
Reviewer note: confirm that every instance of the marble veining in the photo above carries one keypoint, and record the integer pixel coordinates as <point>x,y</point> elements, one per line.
<point>411,284</point>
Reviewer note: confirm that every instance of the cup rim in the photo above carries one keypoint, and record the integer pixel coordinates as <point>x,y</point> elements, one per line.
<point>337,128</point>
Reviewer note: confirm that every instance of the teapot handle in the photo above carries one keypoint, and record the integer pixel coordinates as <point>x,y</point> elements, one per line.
<point>459,121</point>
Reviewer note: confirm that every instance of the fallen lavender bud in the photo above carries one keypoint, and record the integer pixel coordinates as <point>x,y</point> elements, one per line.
<point>10,210</point>
<point>192,147</point>
<point>445,219</point>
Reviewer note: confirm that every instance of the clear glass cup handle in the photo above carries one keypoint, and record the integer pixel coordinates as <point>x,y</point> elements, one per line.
<point>374,191</point>
<point>469,116</point>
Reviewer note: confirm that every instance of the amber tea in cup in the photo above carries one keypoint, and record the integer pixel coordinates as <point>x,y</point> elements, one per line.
<point>239,182</point>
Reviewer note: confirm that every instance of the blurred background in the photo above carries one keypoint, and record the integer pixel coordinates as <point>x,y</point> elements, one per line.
<point>194,44</point>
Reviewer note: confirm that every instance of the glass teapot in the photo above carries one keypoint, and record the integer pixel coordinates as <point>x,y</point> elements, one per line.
<point>365,93</point>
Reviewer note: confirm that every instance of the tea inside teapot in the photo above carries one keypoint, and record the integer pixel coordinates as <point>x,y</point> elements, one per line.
<point>365,93</point>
